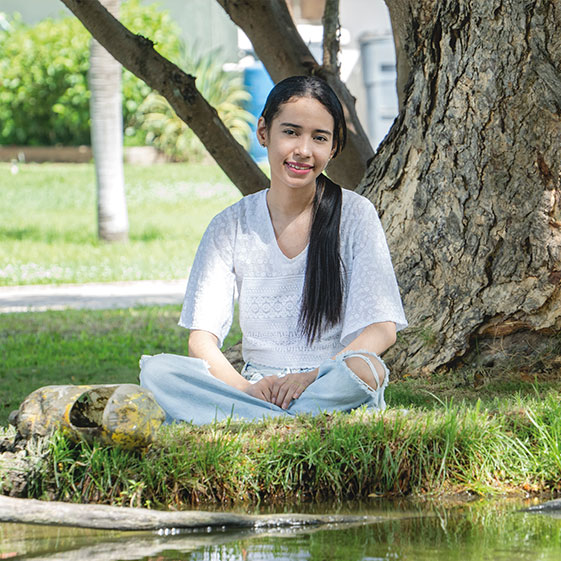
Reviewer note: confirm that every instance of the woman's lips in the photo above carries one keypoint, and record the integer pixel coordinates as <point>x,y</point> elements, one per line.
<point>300,169</point>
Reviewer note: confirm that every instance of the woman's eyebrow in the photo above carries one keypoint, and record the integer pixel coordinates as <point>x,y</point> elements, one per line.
<point>299,127</point>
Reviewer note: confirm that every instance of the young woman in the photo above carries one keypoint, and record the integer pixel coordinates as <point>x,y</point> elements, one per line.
<point>318,299</point>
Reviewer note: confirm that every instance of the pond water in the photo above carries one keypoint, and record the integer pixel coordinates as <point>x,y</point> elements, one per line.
<point>479,530</point>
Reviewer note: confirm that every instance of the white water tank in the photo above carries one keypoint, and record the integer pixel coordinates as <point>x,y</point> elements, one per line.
<point>379,76</point>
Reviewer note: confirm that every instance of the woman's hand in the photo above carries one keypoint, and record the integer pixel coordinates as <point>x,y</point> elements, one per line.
<point>281,391</point>
<point>261,389</point>
<point>291,387</point>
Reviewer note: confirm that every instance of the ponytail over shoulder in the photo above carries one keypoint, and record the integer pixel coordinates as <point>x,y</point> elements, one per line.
<point>322,296</point>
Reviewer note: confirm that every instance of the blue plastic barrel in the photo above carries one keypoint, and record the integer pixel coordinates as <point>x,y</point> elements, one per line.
<point>258,83</point>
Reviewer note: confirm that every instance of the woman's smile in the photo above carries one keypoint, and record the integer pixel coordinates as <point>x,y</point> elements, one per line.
<point>300,169</point>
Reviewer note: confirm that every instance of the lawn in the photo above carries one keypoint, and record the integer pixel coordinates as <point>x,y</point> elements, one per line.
<point>440,433</point>
<point>471,428</point>
<point>83,347</point>
<point>104,346</point>
<point>48,235</point>
<point>48,222</point>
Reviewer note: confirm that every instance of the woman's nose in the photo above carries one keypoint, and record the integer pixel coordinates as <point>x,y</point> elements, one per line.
<point>303,146</point>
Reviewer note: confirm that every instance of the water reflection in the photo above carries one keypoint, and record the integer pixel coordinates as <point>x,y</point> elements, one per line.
<point>408,531</point>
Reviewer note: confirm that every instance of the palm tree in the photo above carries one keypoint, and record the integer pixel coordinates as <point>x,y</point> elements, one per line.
<point>104,78</point>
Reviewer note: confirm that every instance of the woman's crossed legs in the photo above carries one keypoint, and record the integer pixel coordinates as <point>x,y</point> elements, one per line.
<point>185,389</point>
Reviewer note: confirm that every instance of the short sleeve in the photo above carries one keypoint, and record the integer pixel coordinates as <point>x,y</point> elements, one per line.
<point>372,294</point>
<point>209,297</point>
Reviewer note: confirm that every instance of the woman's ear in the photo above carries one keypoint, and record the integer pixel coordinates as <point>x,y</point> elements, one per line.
<point>262,132</point>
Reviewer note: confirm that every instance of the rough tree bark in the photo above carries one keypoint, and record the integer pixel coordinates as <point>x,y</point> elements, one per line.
<point>138,55</point>
<point>467,183</point>
<point>277,43</point>
<point>106,110</point>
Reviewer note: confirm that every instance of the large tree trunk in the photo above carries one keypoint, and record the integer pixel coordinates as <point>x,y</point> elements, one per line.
<point>277,43</point>
<point>468,181</point>
<point>104,78</point>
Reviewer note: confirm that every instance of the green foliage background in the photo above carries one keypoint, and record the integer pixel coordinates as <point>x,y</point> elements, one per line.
<point>159,125</point>
<point>44,96</point>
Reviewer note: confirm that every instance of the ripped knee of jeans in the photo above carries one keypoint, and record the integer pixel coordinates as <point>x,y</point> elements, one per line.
<point>368,367</point>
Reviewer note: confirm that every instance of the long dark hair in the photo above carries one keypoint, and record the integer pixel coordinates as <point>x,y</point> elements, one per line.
<point>322,296</point>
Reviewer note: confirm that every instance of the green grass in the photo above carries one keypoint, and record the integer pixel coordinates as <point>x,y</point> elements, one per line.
<point>48,231</point>
<point>342,456</point>
<point>440,433</point>
<point>83,347</point>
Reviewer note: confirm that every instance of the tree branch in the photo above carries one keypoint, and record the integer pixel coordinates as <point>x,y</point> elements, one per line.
<point>331,36</point>
<point>400,11</point>
<point>137,54</point>
<point>277,43</point>
<point>106,517</point>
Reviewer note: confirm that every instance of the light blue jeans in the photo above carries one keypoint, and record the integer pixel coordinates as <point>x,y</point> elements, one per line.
<point>187,391</point>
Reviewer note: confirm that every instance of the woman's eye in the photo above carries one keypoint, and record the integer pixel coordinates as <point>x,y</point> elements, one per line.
<point>289,131</point>
<point>321,138</point>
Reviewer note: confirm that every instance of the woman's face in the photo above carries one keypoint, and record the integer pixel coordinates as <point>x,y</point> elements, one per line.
<point>299,143</point>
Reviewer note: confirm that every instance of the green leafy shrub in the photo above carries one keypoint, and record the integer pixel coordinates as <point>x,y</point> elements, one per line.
<point>223,90</point>
<point>44,95</point>
<point>43,92</point>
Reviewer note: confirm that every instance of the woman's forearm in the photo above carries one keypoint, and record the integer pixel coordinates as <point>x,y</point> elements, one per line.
<point>203,345</point>
<point>376,338</point>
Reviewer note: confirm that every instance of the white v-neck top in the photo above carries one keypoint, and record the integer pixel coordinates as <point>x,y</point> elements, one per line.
<point>239,254</point>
